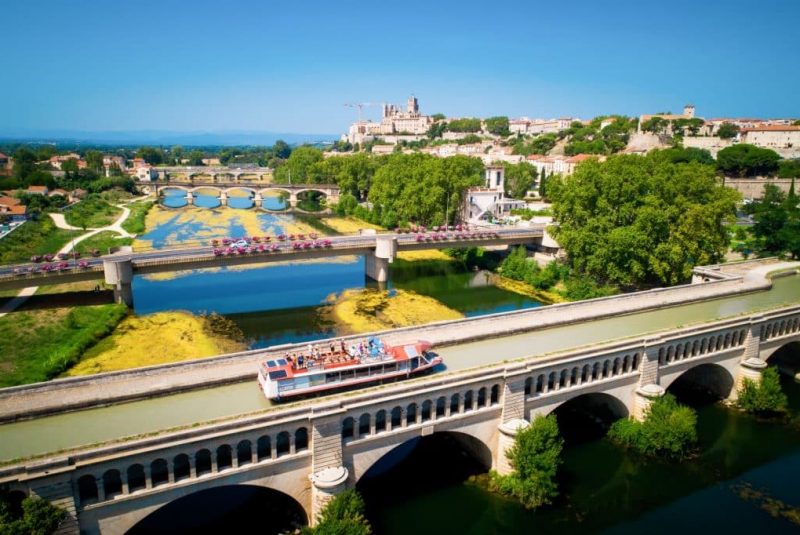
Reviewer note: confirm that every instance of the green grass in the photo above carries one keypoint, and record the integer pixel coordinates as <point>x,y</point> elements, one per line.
<point>102,241</point>
<point>93,212</point>
<point>39,345</point>
<point>135,222</point>
<point>34,237</point>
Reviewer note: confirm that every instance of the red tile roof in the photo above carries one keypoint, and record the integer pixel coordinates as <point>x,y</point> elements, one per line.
<point>9,201</point>
<point>40,189</point>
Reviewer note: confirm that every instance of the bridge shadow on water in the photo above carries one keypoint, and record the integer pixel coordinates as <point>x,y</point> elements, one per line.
<point>227,509</point>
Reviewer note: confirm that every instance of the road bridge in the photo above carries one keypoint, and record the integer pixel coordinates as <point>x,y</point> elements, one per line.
<point>257,189</point>
<point>214,173</point>
<point>378,249</point>
<point>313,450</point>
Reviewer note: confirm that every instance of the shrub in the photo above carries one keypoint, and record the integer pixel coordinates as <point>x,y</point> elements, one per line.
<point>535,457</point>
<point>669,430</point>
<point>343,515</point>
<point>39,517</point>
<point>764,397</point>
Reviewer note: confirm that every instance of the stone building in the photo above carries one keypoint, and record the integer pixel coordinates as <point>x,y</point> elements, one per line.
<point>394,124</point>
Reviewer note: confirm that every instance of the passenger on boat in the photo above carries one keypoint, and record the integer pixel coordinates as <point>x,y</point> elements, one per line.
<point>300,361</point>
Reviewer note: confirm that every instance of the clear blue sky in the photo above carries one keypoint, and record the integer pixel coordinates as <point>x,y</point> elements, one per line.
<point>289,66</point>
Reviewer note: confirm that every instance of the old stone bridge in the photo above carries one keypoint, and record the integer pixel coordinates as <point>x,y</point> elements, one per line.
<point>314,450</point>
<point>214,173</point>
<point>257,190</point>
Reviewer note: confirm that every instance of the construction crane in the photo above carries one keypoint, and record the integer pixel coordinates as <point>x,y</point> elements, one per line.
<point>361,105</point>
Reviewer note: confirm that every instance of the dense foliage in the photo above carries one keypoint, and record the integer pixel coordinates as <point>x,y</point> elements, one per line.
<point>747,160</point>
<point>764,397</point>
<point>669,430</point>
<point>641,220</point>
<point>464,125</point>
<point>497,126</point>
<point>727,130</point>
<point>520,178</point>
<point>689,154</point>
<point>343,515</point>
<point>34,515</point>
<point>789,169</point>
<point>592,139</point>
<point>554,275</point>
<point>776,219</point>
<point>535,458</point>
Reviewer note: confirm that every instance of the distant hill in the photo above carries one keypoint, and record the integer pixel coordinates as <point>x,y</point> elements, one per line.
<point>162,137</point>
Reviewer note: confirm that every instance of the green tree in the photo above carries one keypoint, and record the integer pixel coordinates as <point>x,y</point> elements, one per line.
<point>464,125</point>
<point>535,458</point>
<point>497,125</point>
<point>70,166</point>
<point>281,149</point>
<point>38,517</point>
<point>152,155</point>
<point>772,217</point>
<point>789,169</point>
<point>686,155</point>
<point>764,397</point>
<point>436,130</point>
<point>196,157</point>
<point>669,429</point>
<point>655,125</point>
<point>94,160</point>
<point>343,515</point>
<point>727,130</point>
<point>747,160</point>
<point>543,184</point>
<point>636,220</point>
<point>519,179</point>
<point>299,167</point>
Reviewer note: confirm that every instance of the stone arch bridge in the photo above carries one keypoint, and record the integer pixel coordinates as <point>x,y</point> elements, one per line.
<point>313,450</point>
<point>257,190</point>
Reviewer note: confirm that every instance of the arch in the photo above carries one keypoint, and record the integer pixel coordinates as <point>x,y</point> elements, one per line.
<point>454,404</point>
<point>301,439</point>
<point>224,457</point>
<point>573,376</point>
<point>135,476</point>
<point>181,467</point>
<point>87,489</point>
<point>411,414</point>
<point>202,462</point>
<point>595,371</point>
<point>706,380</point>
<point>528,386</point>
<point>159,472</point>
<point>540,384</point>
<point>397,417</point>
<point>263,448</point>
<point>244,452</point>
<point>494,397</point>
<point>112,483</point>
<point>364,422</point>
<point>606,368</point>
<point>562,379</point>
<point>482,394</point>
<point>589,415</point>
<point>468,444</point>
<point>348,428</point>
<point>225,509</point>
<point>282,443</point>
<point>636,359</point>
<point>551,381</point>
<point>427,410</point>
<point>468,401</point>
<point>441,406</point>
<point>586,373</point>
<point>380,421</point>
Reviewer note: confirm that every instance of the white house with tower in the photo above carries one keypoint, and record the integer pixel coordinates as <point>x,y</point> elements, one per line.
<point>489,201</point>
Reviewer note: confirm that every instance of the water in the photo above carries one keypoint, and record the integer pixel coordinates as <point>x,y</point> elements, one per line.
<point>606,489</point>
<point>209,198</point>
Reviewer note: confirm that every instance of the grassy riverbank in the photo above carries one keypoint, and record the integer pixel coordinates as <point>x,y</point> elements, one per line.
<point>103,241</point>
<point>93,212</point>
<point>135,224</point>
<point>349,224</point>
<point>33,238</point>
<point>365,310</point>
<point>158,339</point>
<point>38,345</point>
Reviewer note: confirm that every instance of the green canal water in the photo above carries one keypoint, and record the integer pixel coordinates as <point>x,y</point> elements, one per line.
<point>743,480</point>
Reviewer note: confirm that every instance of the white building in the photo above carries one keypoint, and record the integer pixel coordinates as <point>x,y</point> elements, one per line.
<point>772,137</point>
<point>146,173</point>
<point>526,126</point>
<point>490,201</point>
<point>394,123</point>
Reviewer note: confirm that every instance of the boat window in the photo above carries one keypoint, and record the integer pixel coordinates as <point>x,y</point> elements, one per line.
<point>277,374</point>
<point>362,372</point>
<point>281,362</point>
<point>390,367</point>
<point>270,364</point>
<point>331,377</point>
<point>348,374</point>
<point>283,386</point>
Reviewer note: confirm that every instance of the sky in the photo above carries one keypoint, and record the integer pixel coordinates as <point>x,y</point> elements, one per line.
<point>290,66</point>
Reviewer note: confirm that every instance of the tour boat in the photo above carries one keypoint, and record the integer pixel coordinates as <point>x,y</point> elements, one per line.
<point>313,371</point>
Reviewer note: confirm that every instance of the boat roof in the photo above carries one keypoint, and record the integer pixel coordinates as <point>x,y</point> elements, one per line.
<point>279,368</point>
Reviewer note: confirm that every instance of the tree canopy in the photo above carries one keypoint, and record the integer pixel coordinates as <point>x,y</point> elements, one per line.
<point>747,160</point>
<point>764,397</point>
<point>464,125</point>
<point>636,220</point>
<point>497,125</point>
<point>776,219</point>
<point>669,429</point>
<point>343,515</point>
<point>727,130</point>
<point>520,178</point>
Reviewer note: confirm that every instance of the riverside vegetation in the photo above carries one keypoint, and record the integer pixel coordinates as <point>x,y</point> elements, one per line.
<point>764,397</point>
<point>669,429</point>
<point>343,515</point>
<point>32,515</point>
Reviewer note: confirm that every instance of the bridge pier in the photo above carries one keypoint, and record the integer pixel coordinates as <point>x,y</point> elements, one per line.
<point>223,198</point>
<point>258,200</point>
<point>376,265</point>
<point>119,273</point>
<point>189,198</point>
<point>292,199</point>
<point>508,432</point>
<point>644,397</point>
<point>326,484</point>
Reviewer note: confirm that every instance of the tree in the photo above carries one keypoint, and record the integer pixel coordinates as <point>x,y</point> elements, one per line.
<point>764,397</point>
<point>747,160</point>
<point>464,125</point>
<point>70,165</point>
<point>343,515</point>
<point>770,215</point>
<point>669,429</point>
<point>519,179</point>
<point>38,516</point>
<point>438,117</point>
<point>281,149</point>
<point>655,125</point>
<point>94,160</point>
<point>636,220</point>
<point>535,458</point>
<point>789,169</point>
<point>543,184</point>
<point>196,157</point>
<point>727,130</point>
<point>686,155</point>
<point>436,130</point>
<point>298,168</point>
<point>151,155</point>
<point>497,125</point>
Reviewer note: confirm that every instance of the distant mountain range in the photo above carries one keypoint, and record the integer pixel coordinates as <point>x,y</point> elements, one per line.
<point>162,137</point>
